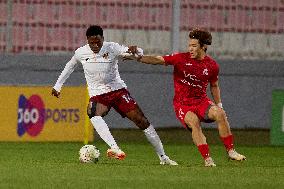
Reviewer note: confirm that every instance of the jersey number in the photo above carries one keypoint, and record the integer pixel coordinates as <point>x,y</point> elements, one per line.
<point>127,98</point>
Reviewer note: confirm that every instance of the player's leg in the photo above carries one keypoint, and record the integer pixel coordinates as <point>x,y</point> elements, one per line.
<point>96,112</point>
<point>127,107</point>
<point>218,114</point>
<point>137,117</point>
<point>192,121</point>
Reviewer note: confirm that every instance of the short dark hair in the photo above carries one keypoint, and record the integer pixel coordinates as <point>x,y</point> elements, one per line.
<point>204,37</point>
<point>94,30</point>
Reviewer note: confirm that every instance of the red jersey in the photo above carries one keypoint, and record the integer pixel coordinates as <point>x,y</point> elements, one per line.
<point>191,76</point>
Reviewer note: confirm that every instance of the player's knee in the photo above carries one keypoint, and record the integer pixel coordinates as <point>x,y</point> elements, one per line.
<point>193,125</point>
<point>91,110</point>
<point>216,113</point>
<point>220,114</point>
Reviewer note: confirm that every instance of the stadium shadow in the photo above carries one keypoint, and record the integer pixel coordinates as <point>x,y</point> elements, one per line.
<point>182,136</point>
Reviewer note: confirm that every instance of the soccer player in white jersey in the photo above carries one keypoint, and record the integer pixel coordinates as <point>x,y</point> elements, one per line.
<point>107,90</point>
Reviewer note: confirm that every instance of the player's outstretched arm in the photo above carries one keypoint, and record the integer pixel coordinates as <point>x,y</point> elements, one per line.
<point>146,59</point>
<point>155,60</point>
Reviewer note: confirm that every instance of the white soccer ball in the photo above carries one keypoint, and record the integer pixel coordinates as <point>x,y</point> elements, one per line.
<point>89,154</point>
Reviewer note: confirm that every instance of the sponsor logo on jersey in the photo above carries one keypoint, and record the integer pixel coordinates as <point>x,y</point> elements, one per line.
<point>190,79</point>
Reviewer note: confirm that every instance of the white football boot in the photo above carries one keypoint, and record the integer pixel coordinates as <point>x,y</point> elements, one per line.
<point>116,153</point>
<point>209,162</point>
<point>165,160</point>
<point>233,155</point>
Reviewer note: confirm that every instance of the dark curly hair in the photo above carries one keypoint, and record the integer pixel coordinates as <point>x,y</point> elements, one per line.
<point>94,30</point>
<point>204,37</point>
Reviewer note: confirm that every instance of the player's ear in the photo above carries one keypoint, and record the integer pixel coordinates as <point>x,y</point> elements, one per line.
<point>204,47</point>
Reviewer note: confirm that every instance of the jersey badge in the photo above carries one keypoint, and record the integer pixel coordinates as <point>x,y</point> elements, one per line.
<point>205,71</point>
<point>105,56</point>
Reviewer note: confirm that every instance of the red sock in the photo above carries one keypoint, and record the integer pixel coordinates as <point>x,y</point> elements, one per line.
<point>204,150</point>
<point>228,142</point>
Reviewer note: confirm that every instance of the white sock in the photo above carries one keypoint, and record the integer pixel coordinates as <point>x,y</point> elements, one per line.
<point>154,139</point>
<point>103,130</point>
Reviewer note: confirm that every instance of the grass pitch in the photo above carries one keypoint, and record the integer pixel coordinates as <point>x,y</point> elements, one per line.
<point>56,165</point>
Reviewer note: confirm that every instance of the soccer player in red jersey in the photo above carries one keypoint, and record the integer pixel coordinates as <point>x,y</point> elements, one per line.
<point>193,71</point>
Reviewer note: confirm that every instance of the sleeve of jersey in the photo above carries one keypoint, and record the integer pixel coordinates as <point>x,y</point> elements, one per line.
<point>215,73</point>
<point>170,59</point>
<point>69,68</point>
<point>140,51</point>
<point>119,49</point>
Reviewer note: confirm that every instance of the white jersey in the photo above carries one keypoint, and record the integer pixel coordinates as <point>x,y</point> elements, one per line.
<point>101,69</point>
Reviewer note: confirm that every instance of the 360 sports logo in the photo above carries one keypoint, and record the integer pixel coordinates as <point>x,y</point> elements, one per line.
<point>32,115</point>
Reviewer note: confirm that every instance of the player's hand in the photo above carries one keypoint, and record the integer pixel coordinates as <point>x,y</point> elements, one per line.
<point>55,93</point>
<point>220,105</point>
<point>132,50</point>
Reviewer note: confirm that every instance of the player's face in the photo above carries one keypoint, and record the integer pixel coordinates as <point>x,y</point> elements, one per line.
<point>95,42</point>
<point>194,49</point>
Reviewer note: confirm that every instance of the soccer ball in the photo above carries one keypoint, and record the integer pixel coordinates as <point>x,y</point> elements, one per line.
<point>89,154</point>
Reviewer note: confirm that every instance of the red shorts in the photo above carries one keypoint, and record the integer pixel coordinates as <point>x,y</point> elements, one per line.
<point>199,107</point>
<point>120,100</point>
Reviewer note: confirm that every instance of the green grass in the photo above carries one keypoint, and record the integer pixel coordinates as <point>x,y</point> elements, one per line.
<point>56,165</point>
